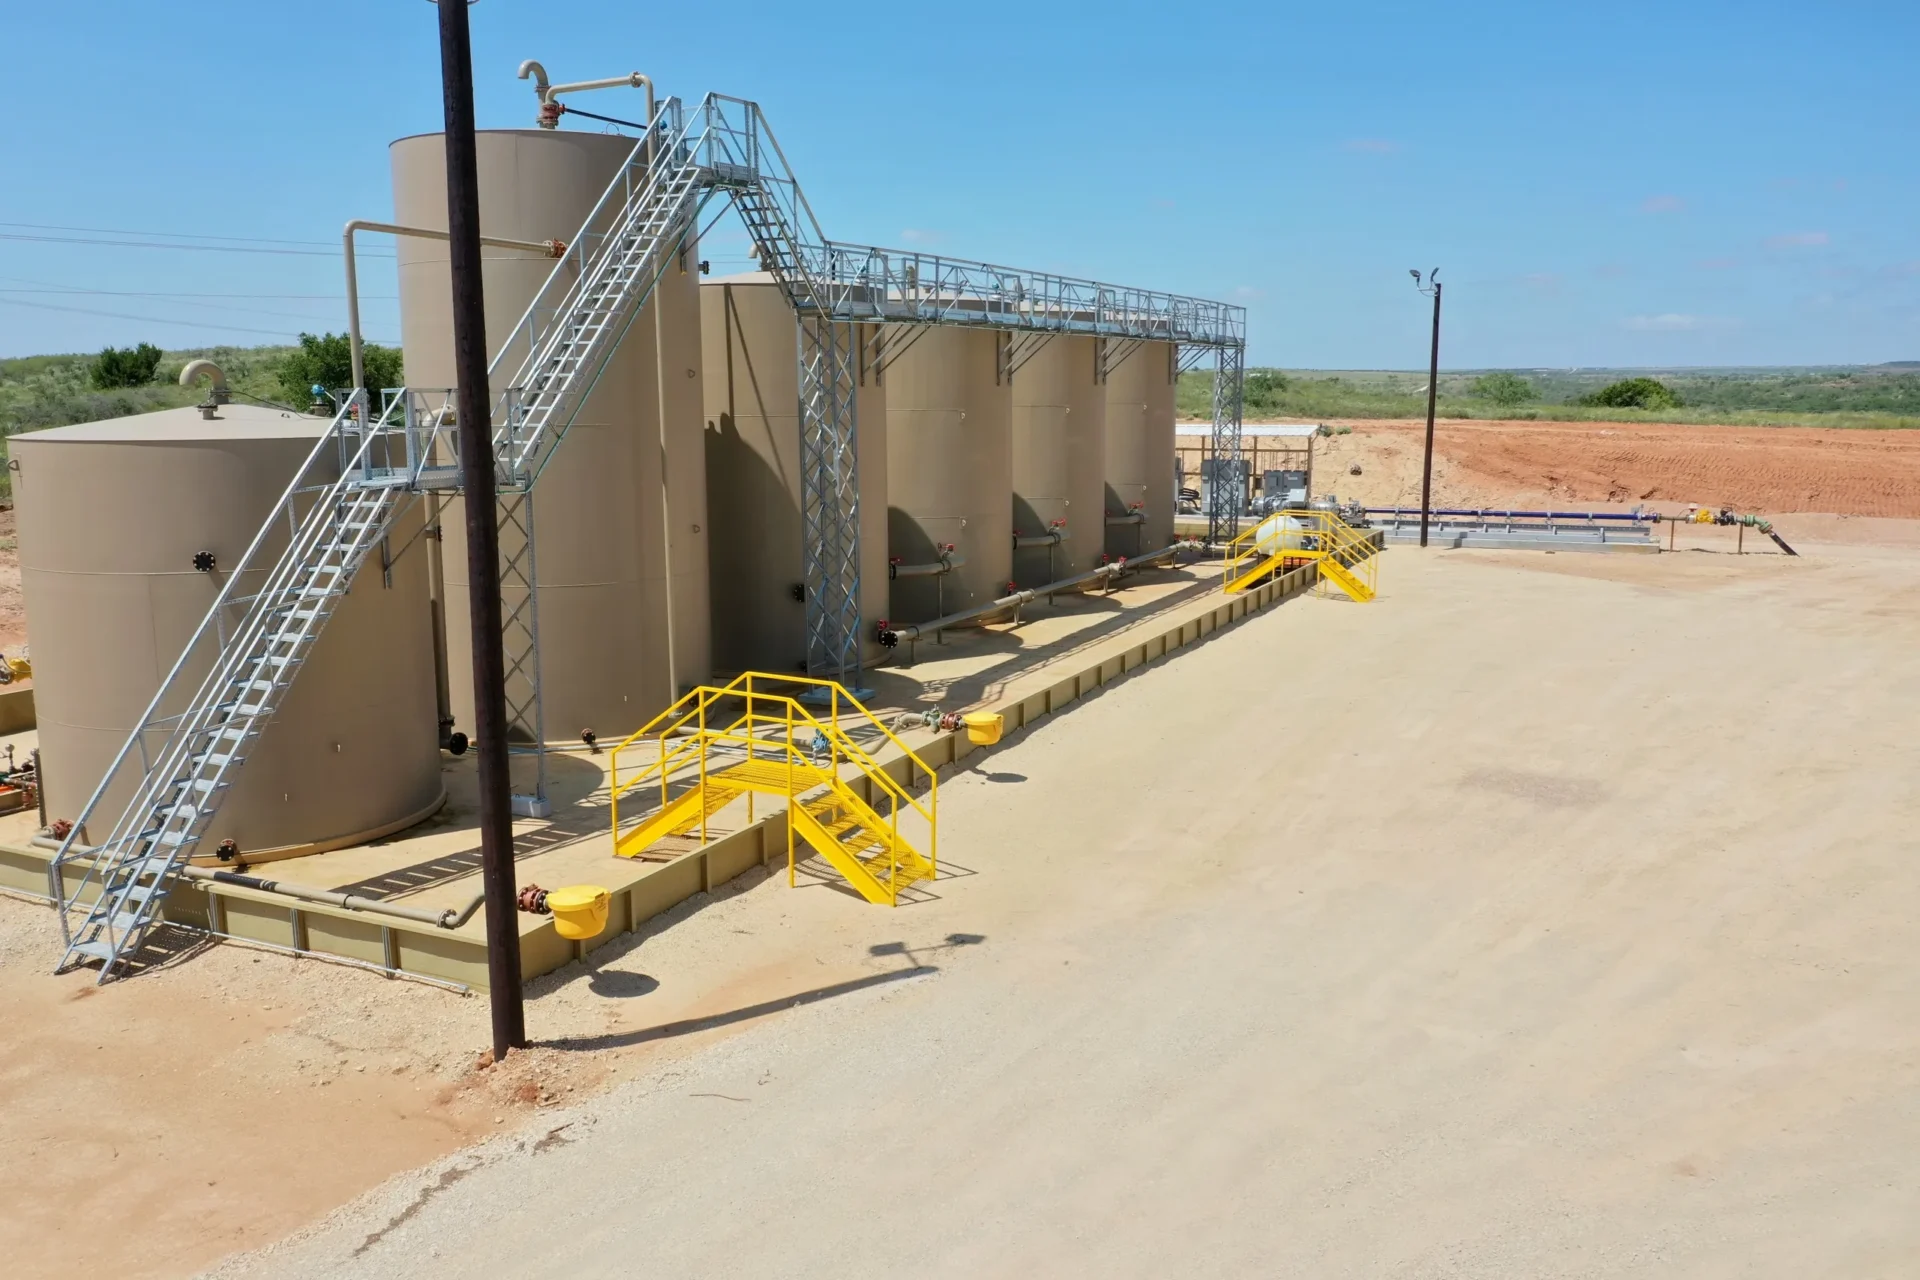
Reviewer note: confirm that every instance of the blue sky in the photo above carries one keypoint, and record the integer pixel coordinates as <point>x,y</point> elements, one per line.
<point>1619,184</point>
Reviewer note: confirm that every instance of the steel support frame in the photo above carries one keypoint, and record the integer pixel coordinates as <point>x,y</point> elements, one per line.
<point>829,355</point>
<point>1223,504</point>
<point>520,635</point>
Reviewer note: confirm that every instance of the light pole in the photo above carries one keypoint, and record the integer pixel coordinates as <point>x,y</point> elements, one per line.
<point>1432,287</point>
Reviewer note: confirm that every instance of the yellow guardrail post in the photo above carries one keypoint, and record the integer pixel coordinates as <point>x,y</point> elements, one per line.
<point>703,772</point>
<point>790,794</point>
<point>749,744</point>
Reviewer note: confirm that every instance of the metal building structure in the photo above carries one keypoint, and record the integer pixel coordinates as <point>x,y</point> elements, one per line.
<point>371,467</point>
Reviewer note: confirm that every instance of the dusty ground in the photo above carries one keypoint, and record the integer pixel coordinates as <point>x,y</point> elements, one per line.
<point>13,616</point>
<point>1554,919</point>
<point>1775,470</point>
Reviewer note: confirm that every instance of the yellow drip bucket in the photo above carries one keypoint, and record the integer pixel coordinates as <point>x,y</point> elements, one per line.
<point>579,911</point>
<point>983,727</point>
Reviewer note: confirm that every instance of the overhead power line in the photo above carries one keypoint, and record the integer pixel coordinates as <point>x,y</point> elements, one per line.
<point>202,248</point>
<point>164,235</point>
<point>282,334</point>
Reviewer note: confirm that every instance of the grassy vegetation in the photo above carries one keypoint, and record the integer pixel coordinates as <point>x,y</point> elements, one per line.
<point>54,391</point>
<point>1879,396</point>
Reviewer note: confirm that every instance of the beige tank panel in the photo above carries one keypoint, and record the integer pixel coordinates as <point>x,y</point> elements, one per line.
<point>110,518</point>
<point>1140,448</point>
<point>753,481</point>
<point>610,555</point>
<point>1059,447</point>
<point>949,468</point>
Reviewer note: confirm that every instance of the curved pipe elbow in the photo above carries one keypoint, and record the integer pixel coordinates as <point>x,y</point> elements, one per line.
<point>212,372</point>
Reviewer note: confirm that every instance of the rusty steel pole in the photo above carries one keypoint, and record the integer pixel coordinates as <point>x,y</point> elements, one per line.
<point>483,533</point>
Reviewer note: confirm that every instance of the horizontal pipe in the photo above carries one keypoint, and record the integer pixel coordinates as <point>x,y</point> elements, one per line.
<point>947,564</point>
<point>1638,517</point>
<point>451,918</point>
<point>1105,571</point>
<point>551,248</point>
<point>1132,517</point>
<point>1051,538</point>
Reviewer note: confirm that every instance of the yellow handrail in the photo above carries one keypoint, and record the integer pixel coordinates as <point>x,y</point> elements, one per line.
<point>694,706</point>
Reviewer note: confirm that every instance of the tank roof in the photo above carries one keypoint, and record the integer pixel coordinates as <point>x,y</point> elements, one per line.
<point>742,277</point>
<point>235,422</point>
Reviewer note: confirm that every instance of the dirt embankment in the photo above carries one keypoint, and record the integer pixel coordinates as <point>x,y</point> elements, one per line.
<point>1776,470</point>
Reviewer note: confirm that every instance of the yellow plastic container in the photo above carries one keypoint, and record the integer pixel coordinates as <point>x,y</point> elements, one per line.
<point>579,911</point>
<point>983,727</point>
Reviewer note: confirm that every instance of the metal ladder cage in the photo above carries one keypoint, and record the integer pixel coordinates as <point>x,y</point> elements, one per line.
<point>355,482</point>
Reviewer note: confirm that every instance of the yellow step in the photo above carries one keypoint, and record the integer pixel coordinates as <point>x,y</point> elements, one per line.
<point>1344,578</point>
<point>862,848</point>
<point>682,814</point>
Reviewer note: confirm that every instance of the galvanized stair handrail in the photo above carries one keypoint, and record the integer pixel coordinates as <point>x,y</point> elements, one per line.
<point>254,645</point>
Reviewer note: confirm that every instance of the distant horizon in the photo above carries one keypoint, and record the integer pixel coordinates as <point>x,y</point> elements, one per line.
<point>1282,368</point>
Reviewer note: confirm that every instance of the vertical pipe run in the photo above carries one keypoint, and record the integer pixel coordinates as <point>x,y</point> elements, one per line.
<point>483,532</point>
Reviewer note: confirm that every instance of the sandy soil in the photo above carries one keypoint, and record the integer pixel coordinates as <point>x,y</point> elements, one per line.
<point>13,615</point>
<point>1775,470</point>
<point>1553,920</point>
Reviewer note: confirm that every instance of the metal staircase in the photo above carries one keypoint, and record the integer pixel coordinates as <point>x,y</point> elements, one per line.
<point>1347,559</point>
<point>748,738</point>
<point>178,766</point>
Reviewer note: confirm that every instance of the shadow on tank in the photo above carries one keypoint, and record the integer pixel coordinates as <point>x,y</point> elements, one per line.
<point>1120,539</point>
<point>754,565</point>
<point>1032,566</point>
<point>912,599</point>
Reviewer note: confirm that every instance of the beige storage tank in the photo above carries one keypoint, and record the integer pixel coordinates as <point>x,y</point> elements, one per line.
<point>111,515</point>
<point>750,337</point>
<point>949,469</point>
<point>1059,446</point>
<point>1140,448</point>
<point>620,513</point>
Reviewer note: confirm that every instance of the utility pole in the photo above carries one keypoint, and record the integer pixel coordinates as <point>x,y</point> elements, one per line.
<point>483,533</point>
<point>1432,286</point>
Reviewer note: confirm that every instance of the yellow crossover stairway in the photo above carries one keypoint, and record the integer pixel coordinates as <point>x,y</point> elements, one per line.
<point>1347,558</point>
<point>753,737</point>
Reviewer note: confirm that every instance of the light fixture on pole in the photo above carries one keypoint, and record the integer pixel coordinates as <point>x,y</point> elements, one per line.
<point>1432,288</point>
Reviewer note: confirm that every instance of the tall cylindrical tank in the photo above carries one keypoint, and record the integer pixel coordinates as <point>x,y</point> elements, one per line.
<point>756,545</point>
<point>1140,448</point>
<point>1059,446</point>
<point>949,468</point>
<point>620,512</point>
<point>111,515</point>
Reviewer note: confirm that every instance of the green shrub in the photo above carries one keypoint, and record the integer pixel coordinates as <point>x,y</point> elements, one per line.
<point>132,367</point>
<point>327,361</point>
<point>1634,393</point>
<point>1503,389</point>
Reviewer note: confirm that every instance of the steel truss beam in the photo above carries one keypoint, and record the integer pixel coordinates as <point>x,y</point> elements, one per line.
<point>830,496</point>
<point>1223,503</point>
